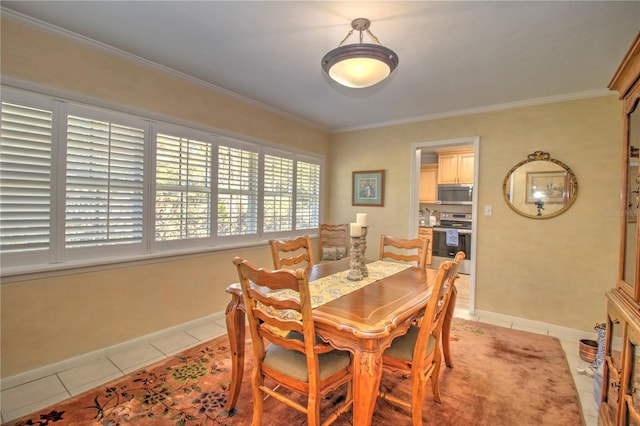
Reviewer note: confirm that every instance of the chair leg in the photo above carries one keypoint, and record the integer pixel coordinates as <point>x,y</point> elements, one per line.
<point>417,398</point>
<point>435,375</point>
<point>258,397</point>
<point>434,383</point>
<point>313,408</point>
<point>446,329</point>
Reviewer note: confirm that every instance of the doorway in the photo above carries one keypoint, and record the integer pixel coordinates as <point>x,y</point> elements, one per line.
<point>426,153</point>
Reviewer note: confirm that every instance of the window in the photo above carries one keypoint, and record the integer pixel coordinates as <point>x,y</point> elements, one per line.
<point>238,182</point>
<point>104,183</point>
<point>84,184</point>
<point>308,195</point>
<point>183,188</point>
<point>278,194</point>
<point>25,178</point>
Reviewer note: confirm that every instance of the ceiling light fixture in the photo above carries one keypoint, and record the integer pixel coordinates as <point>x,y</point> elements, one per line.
<point>360,65</point>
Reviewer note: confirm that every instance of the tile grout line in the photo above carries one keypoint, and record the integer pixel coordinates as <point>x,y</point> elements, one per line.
<point>66,388</point>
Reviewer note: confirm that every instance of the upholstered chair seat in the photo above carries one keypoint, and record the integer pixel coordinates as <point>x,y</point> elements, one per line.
<point>294,363</point>
<point>403,346</point>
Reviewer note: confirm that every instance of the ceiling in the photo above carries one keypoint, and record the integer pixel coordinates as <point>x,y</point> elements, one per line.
<point>454,56</point>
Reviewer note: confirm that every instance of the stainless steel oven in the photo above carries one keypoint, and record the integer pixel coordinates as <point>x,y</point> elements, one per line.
<point>452,235</point>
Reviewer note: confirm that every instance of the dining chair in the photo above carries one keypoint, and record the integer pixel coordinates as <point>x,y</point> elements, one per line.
<point>333,241</point>
<point>285,347</point>
<point>418,351</point>
<point>404,250</point>
<point>446,350</point>
<point>292,254</point>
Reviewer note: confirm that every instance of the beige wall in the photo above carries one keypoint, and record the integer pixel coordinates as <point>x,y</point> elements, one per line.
<point>554,270</point>
<point>52,319</point>
<point>48,320</point>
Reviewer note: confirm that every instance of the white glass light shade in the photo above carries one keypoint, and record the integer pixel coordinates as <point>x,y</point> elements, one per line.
<point>359,72</point>
<point>359,65</point>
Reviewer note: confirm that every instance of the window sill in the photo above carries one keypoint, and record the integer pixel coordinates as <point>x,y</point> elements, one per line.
<point>24,273</point>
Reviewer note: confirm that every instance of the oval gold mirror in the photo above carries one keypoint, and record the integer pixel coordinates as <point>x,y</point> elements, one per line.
<point>540,187</point>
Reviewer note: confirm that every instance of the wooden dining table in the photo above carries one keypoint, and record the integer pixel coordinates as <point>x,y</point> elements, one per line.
<point>363,322</point>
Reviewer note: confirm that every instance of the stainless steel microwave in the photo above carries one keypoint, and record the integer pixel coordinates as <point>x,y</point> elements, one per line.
<point>455,194</point>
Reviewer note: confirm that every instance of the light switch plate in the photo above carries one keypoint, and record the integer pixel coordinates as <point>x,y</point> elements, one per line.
<point>488,210</point>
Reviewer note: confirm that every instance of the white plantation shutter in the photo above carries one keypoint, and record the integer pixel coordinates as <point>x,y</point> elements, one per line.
<point>307,195</point>
<point>183,188</point>
<point>278,194</point>
<point>237,191</point>
<point>104,183</point>
<point>25,178</point>
<point>83,184</point>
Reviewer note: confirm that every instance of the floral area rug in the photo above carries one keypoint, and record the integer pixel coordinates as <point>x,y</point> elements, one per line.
<point>500,377</point>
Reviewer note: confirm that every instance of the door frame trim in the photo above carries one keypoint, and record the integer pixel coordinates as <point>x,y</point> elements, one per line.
<point>414,201</point>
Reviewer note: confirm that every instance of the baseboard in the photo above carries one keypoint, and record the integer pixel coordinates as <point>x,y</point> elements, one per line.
<point>553,330</point>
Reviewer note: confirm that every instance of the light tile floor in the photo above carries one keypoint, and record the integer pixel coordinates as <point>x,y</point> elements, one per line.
<point>43,387</point>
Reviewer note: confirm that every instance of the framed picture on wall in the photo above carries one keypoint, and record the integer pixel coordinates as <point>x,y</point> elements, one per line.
<point>368,188</point>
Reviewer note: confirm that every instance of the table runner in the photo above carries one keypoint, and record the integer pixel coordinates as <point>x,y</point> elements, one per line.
<point>326,289</point>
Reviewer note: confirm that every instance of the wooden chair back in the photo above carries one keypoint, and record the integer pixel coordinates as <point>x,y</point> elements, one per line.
<point>292,254</point>
<point>404,250</point>
<point>282,323</point>
<point>445,327</point>
<point>333,241</point>
<point>449,287</point>
<point>457,261</point>
<point>263,308</point>
<point>437,307</point>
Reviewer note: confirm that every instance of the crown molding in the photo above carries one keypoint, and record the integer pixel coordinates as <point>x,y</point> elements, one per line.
<point>78,38</point>
<point>480,110</point>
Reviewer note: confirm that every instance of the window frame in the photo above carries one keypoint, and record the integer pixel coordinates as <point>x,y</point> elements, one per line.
<point>235,239</point>
<point>59,258</point>
<point>93,252</point>
<point>179,132</point>
<point>42,256</point>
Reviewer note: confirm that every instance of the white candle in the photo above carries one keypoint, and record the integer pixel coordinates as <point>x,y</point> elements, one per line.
<point>361,218</point>
<point>356,230</point>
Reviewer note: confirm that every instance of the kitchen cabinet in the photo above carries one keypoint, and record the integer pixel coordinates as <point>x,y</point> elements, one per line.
<point>455,167</point>
<point>620,397</point>
<point>426,233</point>
<point>429,183</point>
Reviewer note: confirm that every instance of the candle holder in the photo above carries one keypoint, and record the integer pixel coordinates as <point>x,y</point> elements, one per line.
<point>358,269</point>
<point>363,249</point>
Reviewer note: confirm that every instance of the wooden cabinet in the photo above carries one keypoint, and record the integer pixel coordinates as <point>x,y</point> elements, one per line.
<point>427,234</point>
<point>455,167</point>
<point>620,398</point>
<point>621,369</point>
<point>429,183</point>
